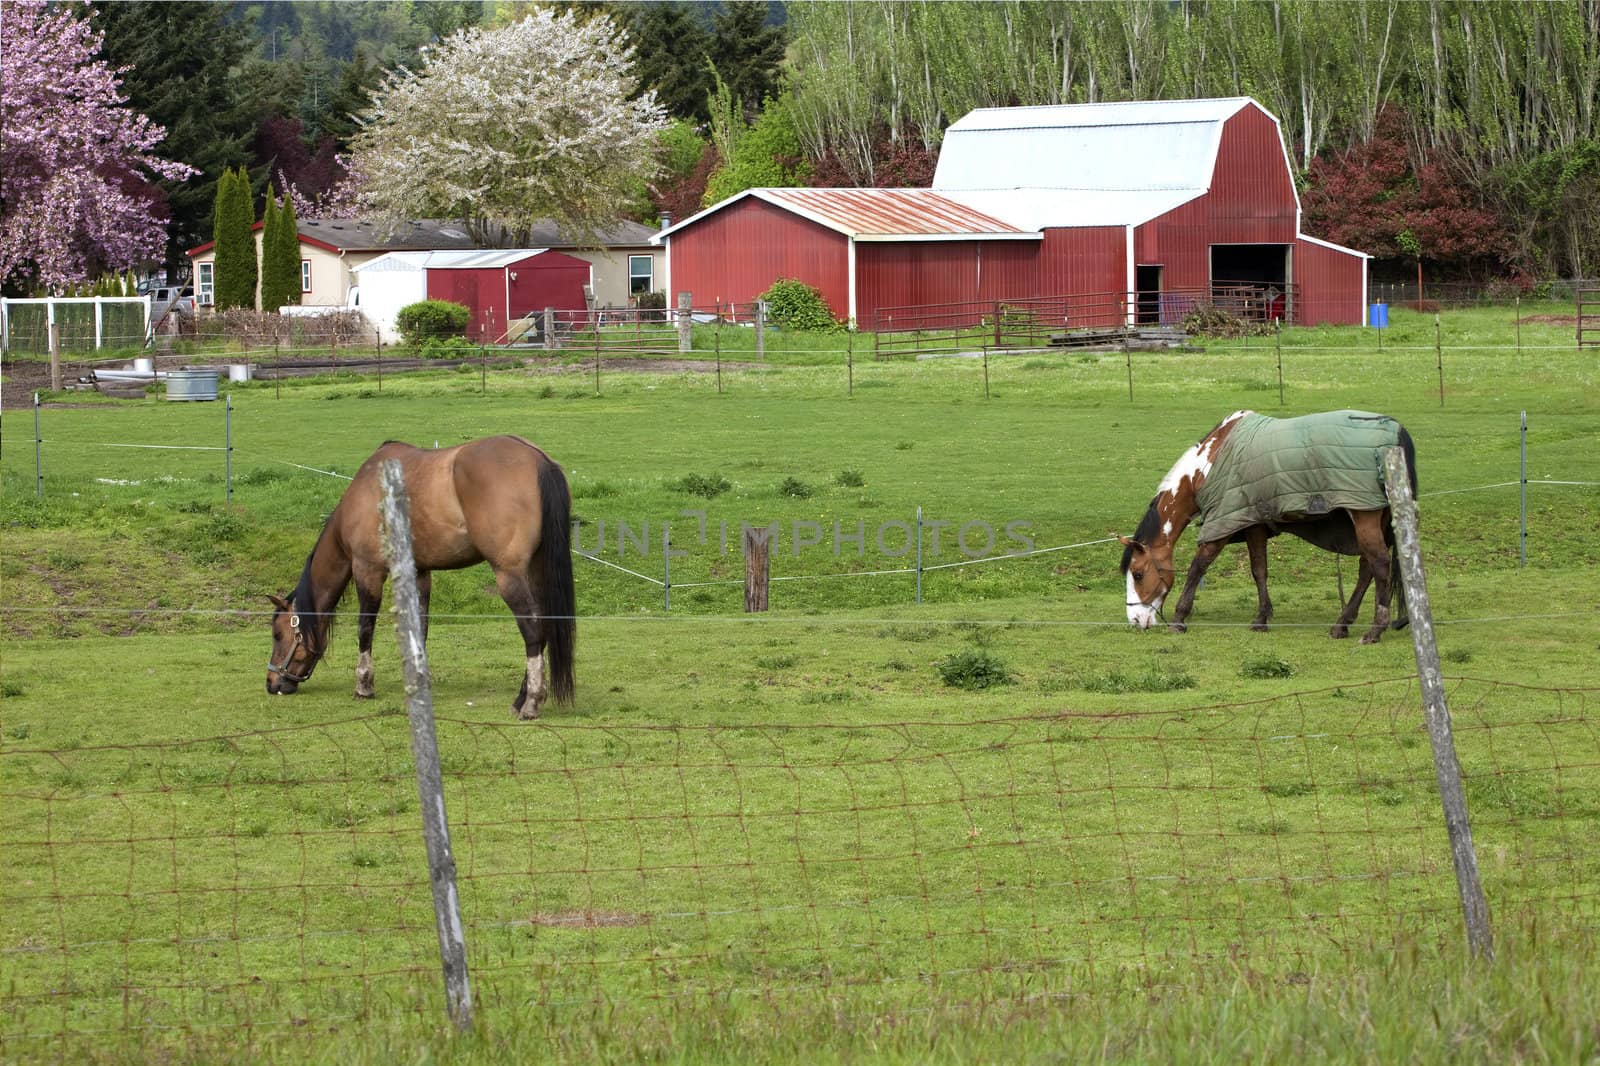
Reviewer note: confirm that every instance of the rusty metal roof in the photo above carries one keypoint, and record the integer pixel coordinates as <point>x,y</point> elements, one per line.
<point>882,214</point>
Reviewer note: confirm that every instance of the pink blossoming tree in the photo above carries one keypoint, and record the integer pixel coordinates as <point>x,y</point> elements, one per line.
<point>75,161</point>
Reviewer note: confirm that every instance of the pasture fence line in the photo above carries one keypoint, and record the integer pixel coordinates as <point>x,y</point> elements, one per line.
<point>251,881</point>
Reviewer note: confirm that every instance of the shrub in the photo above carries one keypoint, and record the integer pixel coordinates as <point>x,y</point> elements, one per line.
<point>709,486</point>
<point>653,306</point>
<point>795,305</point>
<point>850,479</point>
<point>974,669</point>
<point>446,347</point>
<point>1266,666</point>
<point>793,486</point>
<point>432,318</point>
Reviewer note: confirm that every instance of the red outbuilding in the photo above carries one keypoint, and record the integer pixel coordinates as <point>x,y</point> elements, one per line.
<point>503,285</point>
<point>1138,210</point>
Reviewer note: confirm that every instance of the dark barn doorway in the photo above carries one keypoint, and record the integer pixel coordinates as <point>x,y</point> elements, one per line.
<point>1252,279</point>
<point>1147,282</point>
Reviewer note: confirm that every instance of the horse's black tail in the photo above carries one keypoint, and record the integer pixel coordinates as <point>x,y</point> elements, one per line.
<point>1401,616</point>
<point>558,605</point>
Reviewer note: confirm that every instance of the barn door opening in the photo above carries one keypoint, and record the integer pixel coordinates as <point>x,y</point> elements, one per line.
<point>1147,279</point>
<point>1252,280</point>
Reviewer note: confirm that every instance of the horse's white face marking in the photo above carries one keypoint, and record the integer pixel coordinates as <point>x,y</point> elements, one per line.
<point>1141,616</point>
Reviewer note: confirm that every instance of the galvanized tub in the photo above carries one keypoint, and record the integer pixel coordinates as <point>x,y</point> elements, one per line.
<point>191,384</point>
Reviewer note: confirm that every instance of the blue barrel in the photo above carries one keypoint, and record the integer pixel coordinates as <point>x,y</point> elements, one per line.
<point>1379,316</point>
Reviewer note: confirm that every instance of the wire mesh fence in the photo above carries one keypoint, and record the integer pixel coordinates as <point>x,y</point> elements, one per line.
<point>240,882</point>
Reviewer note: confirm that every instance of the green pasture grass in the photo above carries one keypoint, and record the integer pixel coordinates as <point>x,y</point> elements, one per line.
<point>786,837</point>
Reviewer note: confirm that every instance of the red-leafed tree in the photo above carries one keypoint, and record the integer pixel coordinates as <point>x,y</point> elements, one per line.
<point>75,161</point>
<point>1374,197</point>
<point>897,163</point>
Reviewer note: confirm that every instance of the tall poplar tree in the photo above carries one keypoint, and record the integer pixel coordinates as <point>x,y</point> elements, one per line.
<point>235,243</point>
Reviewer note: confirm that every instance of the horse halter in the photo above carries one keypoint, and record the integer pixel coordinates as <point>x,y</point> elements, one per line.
<point>300,639</point>
<point>1170,585</point>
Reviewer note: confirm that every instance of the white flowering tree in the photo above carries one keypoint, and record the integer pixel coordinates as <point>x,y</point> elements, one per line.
<point>501,128</point>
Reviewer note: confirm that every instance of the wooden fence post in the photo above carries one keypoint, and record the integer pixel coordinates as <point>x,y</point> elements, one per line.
<point>685,322</point>
<point>1446,768</point>
<point>550,329</point>
<point>761,329</point>
<point>757,567</point>
<point>425,744</point>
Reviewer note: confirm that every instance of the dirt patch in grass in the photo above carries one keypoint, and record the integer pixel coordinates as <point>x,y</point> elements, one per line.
<point>1548,320</point>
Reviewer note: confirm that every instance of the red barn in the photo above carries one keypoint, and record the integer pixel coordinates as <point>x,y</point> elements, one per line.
<point>1144,207</point>
<point>502,286</point>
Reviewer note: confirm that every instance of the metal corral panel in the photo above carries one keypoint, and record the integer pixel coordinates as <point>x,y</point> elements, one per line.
<point>909,273</point>
<point>1332,282</point>
<point>734,255</point>
<point>1092,261</point>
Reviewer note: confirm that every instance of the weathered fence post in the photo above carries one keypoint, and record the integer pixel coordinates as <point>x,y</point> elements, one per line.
<point>55,357</point>
<point>761,329</point>
<point>1519,326</point>
<point>1446,768</point>
<point>425,744</point>
<point>550,329</point>
<point>685,322</point>
<point>757,567</point>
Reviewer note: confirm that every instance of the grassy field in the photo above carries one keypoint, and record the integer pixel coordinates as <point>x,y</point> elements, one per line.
<point>790,838</point>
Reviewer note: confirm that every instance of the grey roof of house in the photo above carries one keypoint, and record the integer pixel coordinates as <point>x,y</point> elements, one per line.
<point>432,234</point>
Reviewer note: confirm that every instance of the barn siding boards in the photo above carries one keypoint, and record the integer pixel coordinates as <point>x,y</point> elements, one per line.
<point>900,274</point>
<point>1090,261</point>
<point>734,255</point>
<point>1333,284</point>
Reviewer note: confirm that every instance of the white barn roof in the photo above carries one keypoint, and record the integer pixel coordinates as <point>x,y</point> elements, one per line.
<point>1139,145</point>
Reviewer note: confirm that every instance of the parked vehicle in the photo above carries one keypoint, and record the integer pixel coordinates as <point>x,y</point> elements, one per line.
<point>178,299</point>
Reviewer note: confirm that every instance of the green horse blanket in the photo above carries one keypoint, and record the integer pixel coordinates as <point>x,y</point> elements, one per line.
<point>1272,471</point>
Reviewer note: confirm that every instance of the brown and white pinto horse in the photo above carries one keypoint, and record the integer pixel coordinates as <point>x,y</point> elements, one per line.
<point>499,500</point>
<point>1147,557</point>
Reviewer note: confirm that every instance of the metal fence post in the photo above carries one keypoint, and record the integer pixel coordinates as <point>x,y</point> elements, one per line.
<point>228,447</point>
<point>425,744</point>
<point>1438,351</point>
<point>38,456</point>
<point>1277,338</point>
<point>919,555</point>
<point>1447,769</point>
<point>1522,491</point>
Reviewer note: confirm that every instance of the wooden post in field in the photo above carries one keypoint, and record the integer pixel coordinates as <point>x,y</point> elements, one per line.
<point>550,329</point>
<point>1446,768</point>
<point>685,323</point>
<point>425,744</point>
<point>757,567</point>
<point>55,358</point>
<point>761,329</point>
<point>1277,340</point>
<point>1438,351</point>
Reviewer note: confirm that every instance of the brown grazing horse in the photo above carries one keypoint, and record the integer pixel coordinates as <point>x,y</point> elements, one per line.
<point>1277,481</point>
<point>499,500</point>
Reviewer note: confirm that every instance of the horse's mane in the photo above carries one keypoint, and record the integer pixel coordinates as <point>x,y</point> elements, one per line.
<point>304,595</point>
<point>1149,526</point>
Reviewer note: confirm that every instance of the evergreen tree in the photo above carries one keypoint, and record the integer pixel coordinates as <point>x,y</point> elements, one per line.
<point>183,61</point>
<point>748,52</point>
<point>288,252</point>
<point>235,243</point>
<point>670,50</point>
<point>273,283</point>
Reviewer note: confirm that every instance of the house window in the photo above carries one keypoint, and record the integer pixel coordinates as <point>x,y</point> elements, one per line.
<point>305,275</point>
<point>641,274</point>
<point>205,284</point>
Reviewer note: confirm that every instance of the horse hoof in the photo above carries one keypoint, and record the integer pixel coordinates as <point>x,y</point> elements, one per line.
<point>1372,638</point>
<point>364,694</point>
<point>1339,632</point>
<point>1178,627</point>
<point>1258,627</point>
<point>524,712</point>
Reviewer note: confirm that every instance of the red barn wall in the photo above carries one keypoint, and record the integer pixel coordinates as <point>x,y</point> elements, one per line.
<point>735,255</point>
<point>1331,286</point>
<point>913,273</point>
<point>549,279</point>
<point>482,290</point>
<point>1089,262</point>
<point>1251,202</point>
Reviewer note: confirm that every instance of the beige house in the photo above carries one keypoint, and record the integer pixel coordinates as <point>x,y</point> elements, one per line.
<point>625,265</point>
